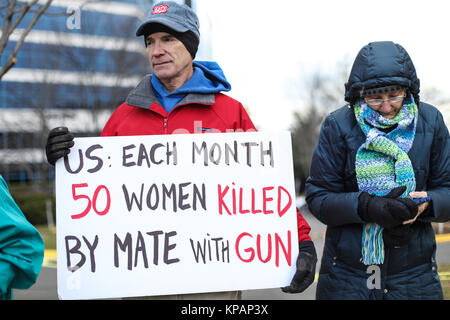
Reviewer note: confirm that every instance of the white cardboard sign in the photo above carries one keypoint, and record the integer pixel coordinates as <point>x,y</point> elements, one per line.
<point>174,214</point>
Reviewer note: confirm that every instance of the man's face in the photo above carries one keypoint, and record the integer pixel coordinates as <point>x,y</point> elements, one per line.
<point>168,57</point>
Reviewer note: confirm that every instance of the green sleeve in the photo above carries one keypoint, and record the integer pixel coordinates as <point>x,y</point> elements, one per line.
<point>21,246</point>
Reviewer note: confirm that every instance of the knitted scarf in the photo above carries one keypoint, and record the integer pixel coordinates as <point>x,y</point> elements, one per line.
<point>382,163</point>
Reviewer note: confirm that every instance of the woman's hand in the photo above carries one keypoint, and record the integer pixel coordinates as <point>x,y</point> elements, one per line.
<point>421,208</point>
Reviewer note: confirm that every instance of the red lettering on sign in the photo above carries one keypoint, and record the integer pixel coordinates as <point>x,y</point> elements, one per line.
<point>287,252</point>
<point>252,252</point>
<point>91,204</point>
<point>253,203</point>
<point>222,203</point>
<point>281,212</point>
<point>235,202</point>
<point>81,196</point>
<point>242,211</point>
<point>277,243</point>
<point>266,199</point>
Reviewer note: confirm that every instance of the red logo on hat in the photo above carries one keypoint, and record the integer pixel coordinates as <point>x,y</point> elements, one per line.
<point>160,9</point>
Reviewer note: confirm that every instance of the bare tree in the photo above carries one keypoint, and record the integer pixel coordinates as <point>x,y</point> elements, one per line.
<point>434,95</point>
<point>323,92</point>
<point>304,137</point>
<point>49,106</point>
<point>15,12</point>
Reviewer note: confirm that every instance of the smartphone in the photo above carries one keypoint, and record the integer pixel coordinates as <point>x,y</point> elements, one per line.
<point>421,200</point>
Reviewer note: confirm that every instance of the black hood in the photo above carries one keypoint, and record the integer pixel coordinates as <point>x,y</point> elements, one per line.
<point>380,64</point>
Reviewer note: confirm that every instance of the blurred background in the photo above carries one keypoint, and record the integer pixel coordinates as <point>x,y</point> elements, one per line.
<point>71,63</point>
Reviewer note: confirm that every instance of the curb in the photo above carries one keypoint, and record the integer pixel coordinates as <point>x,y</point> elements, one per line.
<point>444,237</point>
<point>49,258</point>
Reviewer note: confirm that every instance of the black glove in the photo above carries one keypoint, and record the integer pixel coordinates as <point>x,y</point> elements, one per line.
<point>397,236</point>
<point>306,268</point>
<point>59,142</point>
<point>387,211</point>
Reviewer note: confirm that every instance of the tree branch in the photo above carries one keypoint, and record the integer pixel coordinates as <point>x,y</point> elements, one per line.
<point>5,33</point>
<point>23,11</point>
<point>12,58</point>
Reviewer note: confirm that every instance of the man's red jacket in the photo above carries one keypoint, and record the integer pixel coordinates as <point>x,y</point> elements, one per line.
<point>142,114</point>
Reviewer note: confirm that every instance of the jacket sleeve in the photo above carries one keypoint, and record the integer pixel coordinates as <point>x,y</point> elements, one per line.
<point>325,193</point>
<point>21,246</point>
<point>438,184</point>
<point>303,228</point>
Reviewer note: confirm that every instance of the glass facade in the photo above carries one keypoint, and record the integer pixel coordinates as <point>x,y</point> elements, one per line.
<point>75,59</point>
<point>76,66</point>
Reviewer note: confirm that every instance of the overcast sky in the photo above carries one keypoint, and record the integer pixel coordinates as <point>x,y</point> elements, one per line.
<point>267,48</point>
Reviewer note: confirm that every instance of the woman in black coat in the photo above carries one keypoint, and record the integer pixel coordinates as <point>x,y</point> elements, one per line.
<point>380,175</point>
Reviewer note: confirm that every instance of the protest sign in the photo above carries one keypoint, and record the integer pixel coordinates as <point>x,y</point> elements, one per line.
<point>174,214</point>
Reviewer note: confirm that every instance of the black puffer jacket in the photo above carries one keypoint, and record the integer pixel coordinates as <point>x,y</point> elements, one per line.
<point>408,272</point>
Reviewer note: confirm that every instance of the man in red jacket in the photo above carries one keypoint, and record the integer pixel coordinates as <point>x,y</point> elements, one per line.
<point>183,96</point>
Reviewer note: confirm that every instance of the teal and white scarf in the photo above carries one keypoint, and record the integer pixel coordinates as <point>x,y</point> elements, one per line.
<point>382,163</point>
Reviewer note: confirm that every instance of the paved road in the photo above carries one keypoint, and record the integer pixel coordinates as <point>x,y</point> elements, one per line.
<point>45,287</point>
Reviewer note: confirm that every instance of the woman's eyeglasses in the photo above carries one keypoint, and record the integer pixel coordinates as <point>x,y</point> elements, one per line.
<point>379,102</point>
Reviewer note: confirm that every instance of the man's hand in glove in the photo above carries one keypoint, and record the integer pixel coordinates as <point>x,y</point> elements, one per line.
<point>59,142</point>
<point>306,268</point>
<point>387,211</point>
